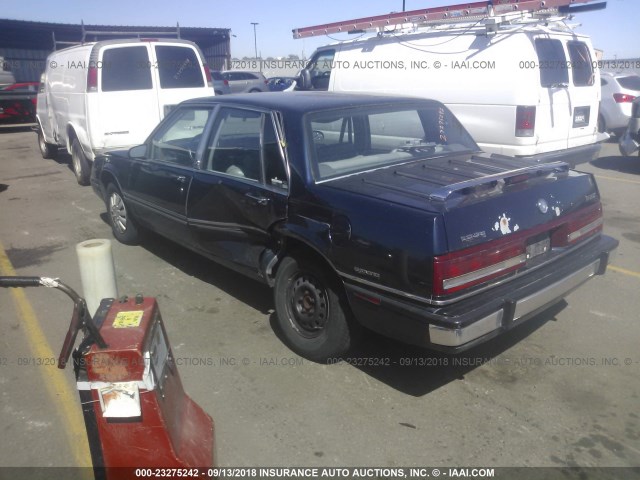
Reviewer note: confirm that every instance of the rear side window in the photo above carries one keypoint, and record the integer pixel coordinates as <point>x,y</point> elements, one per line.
<point>178,67</point>
<point>552,62</point>
<point>581,64</point>
<point>632,82</point>
<point>125,68</point>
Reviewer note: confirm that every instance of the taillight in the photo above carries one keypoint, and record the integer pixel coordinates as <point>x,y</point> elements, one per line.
<point>226,82</point>
<point>92,79</point>
<point>525,120</point>
<point>207,74</point>
<point>580,225</point>
<point>623,98</point>
<point>472,266</point>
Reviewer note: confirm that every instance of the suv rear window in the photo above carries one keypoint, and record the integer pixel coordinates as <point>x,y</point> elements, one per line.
<point>631,82</point>
<point>125,68</point>
<point>552,62</point>
<point>179,67</point>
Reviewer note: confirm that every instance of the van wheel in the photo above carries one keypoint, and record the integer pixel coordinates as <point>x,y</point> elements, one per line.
<point>123,227</point>
<point>601,125</point>
<point>80,164</point>
<point>47,150</point>
<point>310,310</point>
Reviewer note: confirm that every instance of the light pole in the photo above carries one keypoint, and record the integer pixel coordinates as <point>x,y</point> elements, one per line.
<point>255,42</point>
<point>403,5</point>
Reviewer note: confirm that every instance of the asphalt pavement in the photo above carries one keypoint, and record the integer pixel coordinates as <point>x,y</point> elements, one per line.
<point>562,390</point>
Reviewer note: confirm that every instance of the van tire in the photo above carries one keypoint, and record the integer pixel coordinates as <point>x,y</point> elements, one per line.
<point>324,330</point>
<point>122,224</point>
<point>79,163</point>
<point>47,150</point>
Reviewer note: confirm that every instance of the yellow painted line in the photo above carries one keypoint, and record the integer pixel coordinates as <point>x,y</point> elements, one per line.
<point>618,179</point>
<point>623,270</point>
<point>60,393</point>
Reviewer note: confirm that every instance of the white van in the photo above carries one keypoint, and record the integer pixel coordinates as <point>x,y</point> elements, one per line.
<point>111,94</point>
<point>528,90</point>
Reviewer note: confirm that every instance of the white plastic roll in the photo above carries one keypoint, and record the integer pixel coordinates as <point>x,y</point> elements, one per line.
<point>97,272</point>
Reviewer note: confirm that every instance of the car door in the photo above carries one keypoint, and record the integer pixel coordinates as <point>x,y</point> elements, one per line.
<point>158,184</point>
<point>241,189</point>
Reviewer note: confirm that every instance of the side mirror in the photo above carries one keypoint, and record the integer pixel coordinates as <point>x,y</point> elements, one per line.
<point>304,80</point>
<point>139,151</point>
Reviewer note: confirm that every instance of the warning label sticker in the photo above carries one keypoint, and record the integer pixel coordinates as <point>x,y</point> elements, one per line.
<point>128,319</point>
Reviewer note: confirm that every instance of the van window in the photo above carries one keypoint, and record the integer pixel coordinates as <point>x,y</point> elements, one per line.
<point>125,68</point>
<point>179,67</point>
<point>320,69</point>
<point>552,62</point>
<point>581,65</point>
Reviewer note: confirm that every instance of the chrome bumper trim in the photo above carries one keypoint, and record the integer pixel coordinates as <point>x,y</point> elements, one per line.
<point>454,337</point>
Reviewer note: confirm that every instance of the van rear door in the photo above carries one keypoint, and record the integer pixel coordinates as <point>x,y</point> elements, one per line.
<point>122,108</point>
<point>180,74</point>
<point>553,115</point>
<point>584,90</point>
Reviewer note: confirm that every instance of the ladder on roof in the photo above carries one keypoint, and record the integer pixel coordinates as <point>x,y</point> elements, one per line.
<point>463,12</point>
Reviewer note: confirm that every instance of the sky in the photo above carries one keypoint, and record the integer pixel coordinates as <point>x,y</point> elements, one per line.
<point>615,30</point>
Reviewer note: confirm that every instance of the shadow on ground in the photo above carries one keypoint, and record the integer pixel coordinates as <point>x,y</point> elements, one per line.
<point>619,164</point>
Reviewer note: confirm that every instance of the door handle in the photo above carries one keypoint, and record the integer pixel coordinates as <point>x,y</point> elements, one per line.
<point>181,178</point>
<point>260,200</point>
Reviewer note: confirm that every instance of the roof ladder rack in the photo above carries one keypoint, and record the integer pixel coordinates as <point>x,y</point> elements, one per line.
<point>463,12</point>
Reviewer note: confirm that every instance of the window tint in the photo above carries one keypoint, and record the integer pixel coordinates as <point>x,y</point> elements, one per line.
<point>631,82</point>
<point>216,75</point>
<point>235,146</point>
<point>178,141</point>
<point>581,65</point>
<point>179,67</point>
<point>125,68</point>
<point>552,61</point>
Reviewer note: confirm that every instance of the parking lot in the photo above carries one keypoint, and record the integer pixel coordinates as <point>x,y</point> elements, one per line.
<point>562,390</point>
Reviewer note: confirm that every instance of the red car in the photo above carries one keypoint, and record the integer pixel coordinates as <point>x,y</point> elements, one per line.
<point>18,103</point>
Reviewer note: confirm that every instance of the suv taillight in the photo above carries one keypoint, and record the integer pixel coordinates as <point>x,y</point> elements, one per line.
<point>525,120</point>
<point>623,98</point>
<point>92,79</point>
<point>472,266</point>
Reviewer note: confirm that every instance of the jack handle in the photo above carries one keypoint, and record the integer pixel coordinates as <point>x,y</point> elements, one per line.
<point>80,318</point>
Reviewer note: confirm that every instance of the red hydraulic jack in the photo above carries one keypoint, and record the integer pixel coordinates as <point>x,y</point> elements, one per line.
<point>135,410</point>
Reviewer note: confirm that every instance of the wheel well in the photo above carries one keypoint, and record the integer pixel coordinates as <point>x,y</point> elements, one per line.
<point>294,247</point>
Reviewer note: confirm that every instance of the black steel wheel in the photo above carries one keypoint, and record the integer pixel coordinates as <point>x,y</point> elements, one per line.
<point>311,310</point>
<point>123,226</point>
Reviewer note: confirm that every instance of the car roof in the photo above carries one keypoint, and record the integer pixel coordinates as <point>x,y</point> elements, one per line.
<point>302,102</point>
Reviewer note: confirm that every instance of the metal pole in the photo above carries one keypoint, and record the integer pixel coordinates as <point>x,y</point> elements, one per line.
<point>403,2</point>
<point>255,42</point>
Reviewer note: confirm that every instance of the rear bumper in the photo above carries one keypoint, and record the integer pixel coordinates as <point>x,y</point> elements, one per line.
<point>573,156</point>
<point>462,325</point>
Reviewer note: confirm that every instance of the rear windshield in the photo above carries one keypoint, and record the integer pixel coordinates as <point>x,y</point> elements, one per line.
<point>364,138</point>
<point>552,62</point>
<point>581,64</point>
<point>125,68</point>
<point>179,67</point>
<point>631,82</point>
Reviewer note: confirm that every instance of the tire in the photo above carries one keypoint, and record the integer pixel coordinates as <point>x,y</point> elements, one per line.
<point>122,224</point>
<point>47,150</point>
<point>311,312</point>
<point>79,163</point>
